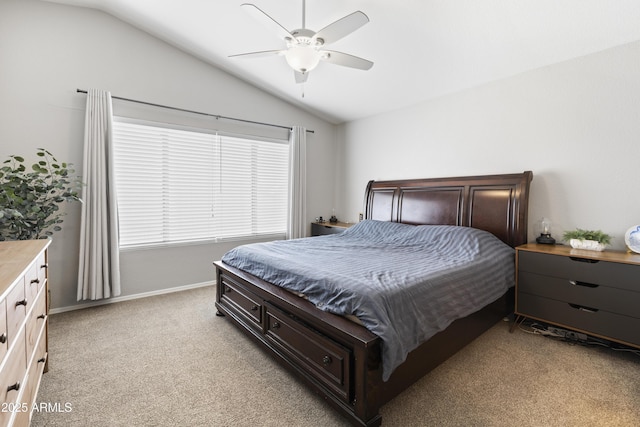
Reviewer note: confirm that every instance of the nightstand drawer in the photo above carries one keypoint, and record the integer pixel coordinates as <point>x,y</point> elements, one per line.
<point>322,229</point>
<point>611,274</point>
<point>605,298</point>
<point>574,316</point>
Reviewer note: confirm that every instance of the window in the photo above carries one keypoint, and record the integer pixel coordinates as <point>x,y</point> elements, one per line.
<point>186,185</point>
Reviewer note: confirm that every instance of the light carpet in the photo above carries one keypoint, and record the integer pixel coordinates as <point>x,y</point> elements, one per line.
<point>168,360</point>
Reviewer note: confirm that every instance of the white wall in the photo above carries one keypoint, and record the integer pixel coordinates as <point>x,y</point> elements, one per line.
<point>47,51</point>
<point>576,125</point>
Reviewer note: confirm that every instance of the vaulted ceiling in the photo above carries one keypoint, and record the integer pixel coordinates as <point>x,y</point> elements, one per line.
<point>421,49</point>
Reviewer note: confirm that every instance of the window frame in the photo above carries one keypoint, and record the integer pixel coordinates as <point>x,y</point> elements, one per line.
<point>222,138</point>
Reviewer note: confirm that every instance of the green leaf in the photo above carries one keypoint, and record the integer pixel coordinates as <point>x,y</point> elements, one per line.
<point>30,201</point>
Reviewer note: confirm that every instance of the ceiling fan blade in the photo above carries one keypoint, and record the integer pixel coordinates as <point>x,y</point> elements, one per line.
<point>258,54</point>
<point>301,77</point>
<point>270,23</point>
<point>342,27</point>
<point>345,60</point>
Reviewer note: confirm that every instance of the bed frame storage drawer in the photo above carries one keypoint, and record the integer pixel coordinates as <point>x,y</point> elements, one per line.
<point>243,302</point>
<point>329,362</point>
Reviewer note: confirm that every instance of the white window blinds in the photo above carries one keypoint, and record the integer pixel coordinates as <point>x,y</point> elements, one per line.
<point>177,185</point>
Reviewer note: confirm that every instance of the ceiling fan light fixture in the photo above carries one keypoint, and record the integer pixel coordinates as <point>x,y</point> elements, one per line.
<point>302,58</point>
<point>305,47</point>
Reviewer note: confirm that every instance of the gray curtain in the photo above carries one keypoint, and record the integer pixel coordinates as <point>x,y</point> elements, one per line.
<point>297,220</point>
<point>99,264</point>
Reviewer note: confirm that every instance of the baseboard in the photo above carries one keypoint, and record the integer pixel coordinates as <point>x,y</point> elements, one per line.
<point>130,297</point>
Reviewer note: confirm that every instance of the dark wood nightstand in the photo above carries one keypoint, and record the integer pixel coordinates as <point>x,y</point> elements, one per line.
<point>597,293</point>
<point>321,228</point>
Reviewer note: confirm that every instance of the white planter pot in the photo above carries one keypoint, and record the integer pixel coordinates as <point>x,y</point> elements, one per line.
<point>590,245</point>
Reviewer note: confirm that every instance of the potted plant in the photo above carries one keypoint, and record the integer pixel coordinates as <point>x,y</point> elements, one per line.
<point>30,200</point>
<point>594,240</point>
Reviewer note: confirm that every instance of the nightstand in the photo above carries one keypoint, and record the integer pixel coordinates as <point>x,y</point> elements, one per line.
<point>597,293</point>
<point>321,228</point>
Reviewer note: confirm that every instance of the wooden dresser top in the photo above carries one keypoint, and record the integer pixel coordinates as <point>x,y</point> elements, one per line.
<point>15,258</point>
<point>565,250</point>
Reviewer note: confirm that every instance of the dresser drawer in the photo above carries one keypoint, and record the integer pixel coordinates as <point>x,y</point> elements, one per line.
<point>241,301</point>
<point>12,378</point>
<point>16,311</point>
<point>35,370</point>
<point>613,300</point>
<point>611,274</point>
<point>4,341</point>
<point>597,322</point>
<point>329,362</point>
<point>35,277</point>
<point>36,321</point>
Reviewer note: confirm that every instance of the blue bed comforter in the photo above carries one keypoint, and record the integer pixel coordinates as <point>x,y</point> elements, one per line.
<point>405,283</point>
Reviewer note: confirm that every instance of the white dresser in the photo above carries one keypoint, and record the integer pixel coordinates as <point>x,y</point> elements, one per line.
<point>23,327</point>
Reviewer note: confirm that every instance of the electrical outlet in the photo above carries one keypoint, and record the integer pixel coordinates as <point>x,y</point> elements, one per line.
<point>360,216</point>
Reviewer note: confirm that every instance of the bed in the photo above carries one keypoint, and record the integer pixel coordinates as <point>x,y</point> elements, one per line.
<point>341,359</point>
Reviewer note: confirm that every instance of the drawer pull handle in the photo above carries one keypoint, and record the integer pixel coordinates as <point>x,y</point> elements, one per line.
<point>326,360</point>
<point>583,308</point>
<point>42,316</point>
<point>275,325</point>
<point>585,284</point>
<point>3,338</point>
<point>44,266</point>
<point>42,360</point>
<point>23,302</point>
<point>35,281</point>
<point>15,387</point>
<point>254,308</point>
<point>587,260</point>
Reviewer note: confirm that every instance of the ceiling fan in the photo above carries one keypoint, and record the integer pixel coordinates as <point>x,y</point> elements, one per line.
<point>305,48</point>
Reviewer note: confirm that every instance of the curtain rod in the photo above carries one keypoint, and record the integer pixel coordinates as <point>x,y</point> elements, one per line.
<point>198,112</point>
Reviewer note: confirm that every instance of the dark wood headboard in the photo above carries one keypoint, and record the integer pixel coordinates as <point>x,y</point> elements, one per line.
<point>495,203</point>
